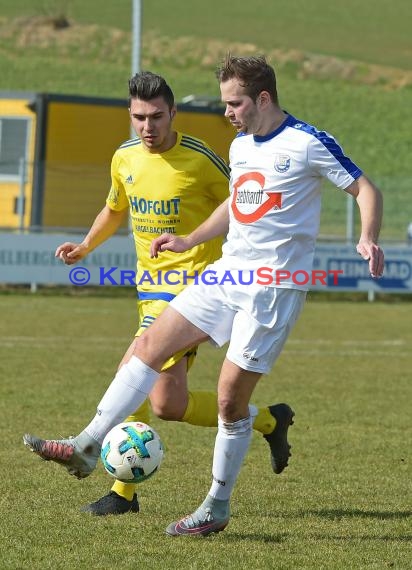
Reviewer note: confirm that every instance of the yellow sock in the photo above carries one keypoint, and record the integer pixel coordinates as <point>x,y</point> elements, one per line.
<point>125,490</point>
<point>142,414</point>
<point>264,421</point>
<point>201,409</point>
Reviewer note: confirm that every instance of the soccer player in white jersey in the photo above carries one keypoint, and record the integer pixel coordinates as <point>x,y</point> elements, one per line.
<point>271,220</point>
<point>168,181</point>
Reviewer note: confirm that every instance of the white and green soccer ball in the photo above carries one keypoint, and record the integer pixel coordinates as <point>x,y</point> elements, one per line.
<point>132,452</point>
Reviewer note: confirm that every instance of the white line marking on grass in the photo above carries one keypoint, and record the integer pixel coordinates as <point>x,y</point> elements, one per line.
<point>381,342</point>
<point>297,341</point>
<point>343,352</point>
<point>33,342</point>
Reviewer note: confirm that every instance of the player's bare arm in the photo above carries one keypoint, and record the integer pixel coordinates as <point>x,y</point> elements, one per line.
<point>217,224</point>
<point>370,203</point>
<point>107,222</point>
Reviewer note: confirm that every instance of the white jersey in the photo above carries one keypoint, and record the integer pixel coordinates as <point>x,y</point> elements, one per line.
<point>275,197</point>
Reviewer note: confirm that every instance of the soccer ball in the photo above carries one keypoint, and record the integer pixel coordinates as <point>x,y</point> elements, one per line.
<point>132,452</point>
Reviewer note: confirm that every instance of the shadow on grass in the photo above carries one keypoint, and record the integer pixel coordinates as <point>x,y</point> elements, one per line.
<point>334,514</point>
<point>255,536</point>
<point>365,537</point>
<point>279,538</point>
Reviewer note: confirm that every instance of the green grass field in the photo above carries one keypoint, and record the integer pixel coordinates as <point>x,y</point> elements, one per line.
<point>366,31</point>
<point>345,67</point>
<point>343,503</point>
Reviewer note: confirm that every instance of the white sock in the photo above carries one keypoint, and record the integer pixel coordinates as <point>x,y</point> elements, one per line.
<point>232,442</point>
<point>128,390</point>
<point>253,412</point>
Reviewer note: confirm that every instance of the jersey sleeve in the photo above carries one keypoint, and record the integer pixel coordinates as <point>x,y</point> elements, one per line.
<point>117,198</point>
<point>326,157</point>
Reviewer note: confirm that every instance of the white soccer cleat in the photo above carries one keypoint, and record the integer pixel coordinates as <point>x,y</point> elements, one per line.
<point>78,454</point>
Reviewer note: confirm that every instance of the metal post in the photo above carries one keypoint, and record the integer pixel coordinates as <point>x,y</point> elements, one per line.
<point>350,233</point>
<point>136,43</point>
<point>136,35</point>
<point>22,193</point>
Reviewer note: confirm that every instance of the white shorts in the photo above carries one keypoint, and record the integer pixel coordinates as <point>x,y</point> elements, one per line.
<point>255,319</point>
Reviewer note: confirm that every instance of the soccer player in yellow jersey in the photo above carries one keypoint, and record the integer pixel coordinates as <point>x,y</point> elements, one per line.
<point>169,182</point>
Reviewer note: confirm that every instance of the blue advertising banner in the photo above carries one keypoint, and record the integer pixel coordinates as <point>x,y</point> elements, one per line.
<point>29,258</point>
<point>347,271</point>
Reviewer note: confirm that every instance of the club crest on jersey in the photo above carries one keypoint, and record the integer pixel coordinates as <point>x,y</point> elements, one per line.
<point>113,196</point>
<point>282,162</point>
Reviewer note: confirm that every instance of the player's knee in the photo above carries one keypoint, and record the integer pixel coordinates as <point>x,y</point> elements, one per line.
<point>229,409</point>
<point>143,343</point>
<point>147,349</point>
<point>167,411</point>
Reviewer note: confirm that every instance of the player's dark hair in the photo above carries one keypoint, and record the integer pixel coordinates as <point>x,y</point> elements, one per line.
<point>253,73</point>
<point>147,86</point>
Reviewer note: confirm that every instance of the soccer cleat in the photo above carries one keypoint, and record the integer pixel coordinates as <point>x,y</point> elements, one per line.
<point>195,527</point>
<point>112,504</point>
<point>278,439</point>
<point>79,459</point>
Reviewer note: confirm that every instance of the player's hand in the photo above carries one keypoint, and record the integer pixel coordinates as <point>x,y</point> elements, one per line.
<point>373,253</point>
<point>168,242</point>
<point>71,253</point>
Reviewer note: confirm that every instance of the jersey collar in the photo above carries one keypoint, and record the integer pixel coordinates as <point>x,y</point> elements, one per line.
<point>286,123</point>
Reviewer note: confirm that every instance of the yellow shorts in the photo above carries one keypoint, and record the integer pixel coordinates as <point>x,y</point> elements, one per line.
<point>148,311</point>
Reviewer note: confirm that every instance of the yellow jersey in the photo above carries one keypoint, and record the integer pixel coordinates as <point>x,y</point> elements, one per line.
<point>172,191</point>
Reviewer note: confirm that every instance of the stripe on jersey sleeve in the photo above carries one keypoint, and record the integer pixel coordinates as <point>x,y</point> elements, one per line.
<point>131,142</point>
<point>329,142</point>
<point>198,146</point>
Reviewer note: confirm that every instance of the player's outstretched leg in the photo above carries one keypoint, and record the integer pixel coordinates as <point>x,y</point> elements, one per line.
<point>78,454</point>
<point>278,439</point>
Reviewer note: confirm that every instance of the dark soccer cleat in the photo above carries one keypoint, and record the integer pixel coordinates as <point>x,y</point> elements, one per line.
<point>112,504</point>
<point>191,525</point>
<point>278,439</point>
<point>79,459</point>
